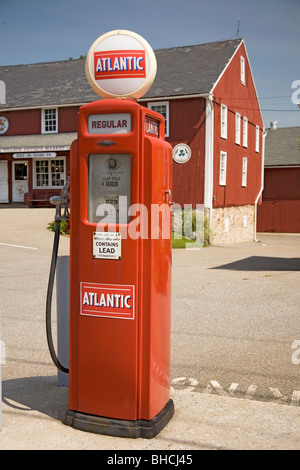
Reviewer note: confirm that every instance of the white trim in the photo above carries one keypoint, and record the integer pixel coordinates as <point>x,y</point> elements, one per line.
<point>209,153</point>
<point>262,181</point>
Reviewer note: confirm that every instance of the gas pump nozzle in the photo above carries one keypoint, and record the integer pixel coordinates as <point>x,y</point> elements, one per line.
<point>62,200</point>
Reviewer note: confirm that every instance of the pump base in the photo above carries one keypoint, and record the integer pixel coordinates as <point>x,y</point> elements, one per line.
<point>119,427</point>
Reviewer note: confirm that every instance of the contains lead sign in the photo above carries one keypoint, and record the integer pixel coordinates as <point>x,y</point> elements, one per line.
<point>107,245</point>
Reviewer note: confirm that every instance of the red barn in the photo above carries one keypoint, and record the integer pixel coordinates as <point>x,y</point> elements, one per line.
<point>280,208</point>
<point>206,93</point>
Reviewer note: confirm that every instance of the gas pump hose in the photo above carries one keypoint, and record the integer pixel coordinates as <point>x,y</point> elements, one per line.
<point>57,200</point>
<point>49,299</point>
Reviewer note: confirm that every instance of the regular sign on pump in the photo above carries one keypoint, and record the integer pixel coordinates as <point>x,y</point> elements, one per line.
<point>121,64</point>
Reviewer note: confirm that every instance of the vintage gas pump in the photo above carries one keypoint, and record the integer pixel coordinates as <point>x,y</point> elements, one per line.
<point>120,255</point>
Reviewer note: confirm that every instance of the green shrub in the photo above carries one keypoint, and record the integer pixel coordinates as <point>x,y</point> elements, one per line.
<point>184,242</point>
<point>64,230</point>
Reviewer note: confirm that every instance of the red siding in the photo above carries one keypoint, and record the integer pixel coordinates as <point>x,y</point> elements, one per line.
<point>242,99</point>
<point>28,121</point>
<point>187,125</point>
<point>23,122</point>
<point>280,209</point>
<point>67,119</point>
<point>281,183</point>
<point>279,216</point>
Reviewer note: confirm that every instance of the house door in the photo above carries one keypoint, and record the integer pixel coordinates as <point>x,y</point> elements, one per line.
<point>3,181</point>
<point>19,181</point>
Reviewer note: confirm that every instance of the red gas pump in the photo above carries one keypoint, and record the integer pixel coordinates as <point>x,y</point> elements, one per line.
<point>120,275</point>
<point>120,254</point>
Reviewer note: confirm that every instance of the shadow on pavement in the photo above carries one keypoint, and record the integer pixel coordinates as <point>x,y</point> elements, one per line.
<point>36,394</point>
<point>263,263</point>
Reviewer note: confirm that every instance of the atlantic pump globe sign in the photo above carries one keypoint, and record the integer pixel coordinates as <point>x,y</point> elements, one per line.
<point>120,64</point>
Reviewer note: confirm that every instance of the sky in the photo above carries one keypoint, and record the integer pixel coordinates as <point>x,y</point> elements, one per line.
<point>33,31</point>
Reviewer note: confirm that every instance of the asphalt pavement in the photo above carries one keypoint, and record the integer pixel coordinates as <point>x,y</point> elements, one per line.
<point>33,405</point>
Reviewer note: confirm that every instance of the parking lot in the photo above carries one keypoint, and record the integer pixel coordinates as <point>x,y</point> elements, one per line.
<point>236,328</point>
<point>234,323</point>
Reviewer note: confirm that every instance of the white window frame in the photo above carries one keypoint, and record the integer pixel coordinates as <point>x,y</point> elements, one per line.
<point>244,172</point>
<point>245,131</point>
<point>257,139</point>
<point>45,124</point>
<point>49,186</point>
<point>153,105</point>
<point>238,128</point>
<point>223,168</point>
<point>223,121</point>
<point>243,77</point>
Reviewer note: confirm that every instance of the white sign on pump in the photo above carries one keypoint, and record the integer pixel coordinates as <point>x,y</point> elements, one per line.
<point>121,64</point>
<point>109,123</point>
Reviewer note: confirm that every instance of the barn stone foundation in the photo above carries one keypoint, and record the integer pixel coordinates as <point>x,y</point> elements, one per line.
<point>234,224</point>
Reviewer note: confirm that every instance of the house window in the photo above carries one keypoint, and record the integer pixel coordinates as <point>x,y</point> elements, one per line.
<point>243,80</point>
<point>49,173</point>
<point>245,132</point>
<point>244,172</point>
<point>257,139</point>
<point>238,128</point>
<point>223,166</point>
<point>223,121</point>
<point>162,107</point>
<point>49,121</point>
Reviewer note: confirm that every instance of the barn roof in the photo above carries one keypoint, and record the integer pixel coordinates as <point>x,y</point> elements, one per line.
<point>186,70</point>
<point>282,147</point>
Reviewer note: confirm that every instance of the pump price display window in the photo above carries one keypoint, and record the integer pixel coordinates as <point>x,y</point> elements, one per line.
<point>109,188</point>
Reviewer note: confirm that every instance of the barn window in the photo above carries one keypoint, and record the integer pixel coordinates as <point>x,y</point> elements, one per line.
<point>244,172</point>
<point>238,128</point>
<point>243,79</point>
<point>223,167</point>
<point>257,139</point>
<point>49,121</point>
<point>245,132</point>
<point>162,107</point>
<point>223,121</point>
